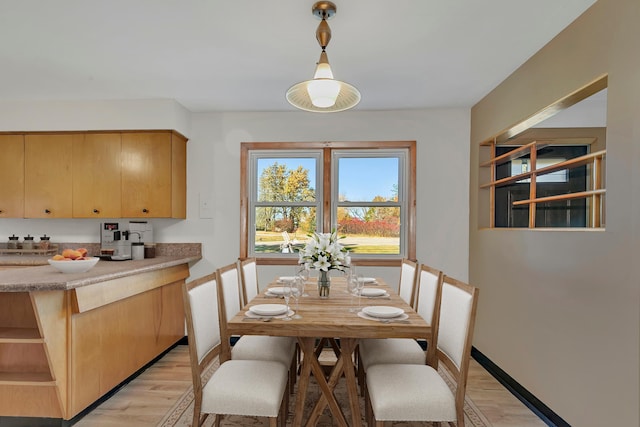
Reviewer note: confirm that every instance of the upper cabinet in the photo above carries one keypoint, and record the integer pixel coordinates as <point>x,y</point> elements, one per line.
<point>12,176</point>
<point>146,175</point>
<point>48,178</point>
<point>136,174</point>
<point>97,176</point>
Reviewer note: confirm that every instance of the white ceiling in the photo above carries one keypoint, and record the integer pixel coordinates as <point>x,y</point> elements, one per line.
<point>242,55</point>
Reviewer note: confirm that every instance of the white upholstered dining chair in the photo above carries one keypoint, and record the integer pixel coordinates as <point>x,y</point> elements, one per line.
<point>248,279</point>
<point>247,347</point>
<point>374,351</point>
<point>237,387</point>
<point>407,284</point>
<point>412,392</point>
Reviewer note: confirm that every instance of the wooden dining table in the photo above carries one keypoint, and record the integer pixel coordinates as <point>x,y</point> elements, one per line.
<point>330,318</point>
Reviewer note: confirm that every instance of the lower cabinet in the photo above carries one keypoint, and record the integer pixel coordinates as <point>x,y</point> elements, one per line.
<point>60,351</point>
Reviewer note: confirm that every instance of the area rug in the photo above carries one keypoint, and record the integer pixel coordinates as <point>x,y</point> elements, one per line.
<point>181,414</point>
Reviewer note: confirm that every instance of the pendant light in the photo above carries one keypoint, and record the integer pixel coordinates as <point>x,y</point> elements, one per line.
<point>323,94</point>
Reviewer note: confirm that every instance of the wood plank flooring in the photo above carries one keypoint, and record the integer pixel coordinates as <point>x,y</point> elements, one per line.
<point>145,400</point>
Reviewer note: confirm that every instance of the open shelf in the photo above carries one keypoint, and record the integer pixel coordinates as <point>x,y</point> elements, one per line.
<point>594,190</point>
<point>22,335</point>
<point>567,196</point>
<point>27,378</point>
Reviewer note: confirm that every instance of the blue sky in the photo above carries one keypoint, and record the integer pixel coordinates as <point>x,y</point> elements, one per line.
<point>361,179</point>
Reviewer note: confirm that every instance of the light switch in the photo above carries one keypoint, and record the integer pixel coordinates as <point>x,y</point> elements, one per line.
<point>206,206</point>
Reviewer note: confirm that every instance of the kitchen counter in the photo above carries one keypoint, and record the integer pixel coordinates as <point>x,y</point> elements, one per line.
<point>46,278</point>
<point>68,339</point>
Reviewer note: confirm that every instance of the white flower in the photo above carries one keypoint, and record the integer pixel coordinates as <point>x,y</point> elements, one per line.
<point>323,252</point>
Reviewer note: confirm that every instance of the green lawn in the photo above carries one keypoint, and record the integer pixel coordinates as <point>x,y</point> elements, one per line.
<point>270,242</point>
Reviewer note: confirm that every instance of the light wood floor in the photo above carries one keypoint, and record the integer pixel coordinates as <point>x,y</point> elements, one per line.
<point>145,400</point>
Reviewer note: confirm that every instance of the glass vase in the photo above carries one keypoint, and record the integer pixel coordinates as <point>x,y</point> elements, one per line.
<point>324,284</point>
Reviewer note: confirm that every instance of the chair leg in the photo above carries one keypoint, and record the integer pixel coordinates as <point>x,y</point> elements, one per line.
<point>218,420</point>
<point>361,375</point>
<point>284,411</point>
<point>273,422</point>
<point>368,409</point>
<point>197,419</point>
<point>293,372</point>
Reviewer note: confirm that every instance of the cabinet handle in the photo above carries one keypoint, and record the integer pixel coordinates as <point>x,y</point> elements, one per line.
<point>145,210</point>
<point>47,211</point>
<point>96,211</point>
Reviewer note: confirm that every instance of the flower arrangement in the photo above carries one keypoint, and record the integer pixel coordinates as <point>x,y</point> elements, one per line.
<point>324,252</point>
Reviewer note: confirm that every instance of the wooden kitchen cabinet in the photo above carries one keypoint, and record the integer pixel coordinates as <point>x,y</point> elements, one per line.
<point>62,350</point>
<point>120,174</point>
<point>153,175</point>
<point>48,175</point>
<point>96,176</point>
<point>12,176</point>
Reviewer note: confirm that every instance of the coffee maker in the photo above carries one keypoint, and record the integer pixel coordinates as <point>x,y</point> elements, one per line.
<point>114,242</point>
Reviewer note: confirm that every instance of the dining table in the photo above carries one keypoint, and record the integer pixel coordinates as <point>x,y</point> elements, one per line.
<point>336,319</point>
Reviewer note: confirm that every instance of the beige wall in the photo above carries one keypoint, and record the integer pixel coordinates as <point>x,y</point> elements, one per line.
<point>560,310</point>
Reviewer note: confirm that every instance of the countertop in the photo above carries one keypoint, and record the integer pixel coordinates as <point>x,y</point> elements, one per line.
<point>46,278</point>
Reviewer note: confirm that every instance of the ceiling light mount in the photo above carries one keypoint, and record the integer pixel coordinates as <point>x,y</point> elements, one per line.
<point>323,94</point>
<point>324,9</point>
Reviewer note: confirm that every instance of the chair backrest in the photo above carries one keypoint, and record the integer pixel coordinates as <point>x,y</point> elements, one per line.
<point>249,279</point>
<point>458,307</point>
<point>427,297</point>
<point>407,285</point>
<point>201,311</point>
<point>229,304</point>
<point>230,289</point>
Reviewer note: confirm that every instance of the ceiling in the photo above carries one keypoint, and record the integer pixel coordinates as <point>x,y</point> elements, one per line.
<point>242,55</point>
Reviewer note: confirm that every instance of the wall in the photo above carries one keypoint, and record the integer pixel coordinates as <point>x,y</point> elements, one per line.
<point>560,310</point>
<point>213,156</point>
<point>442,210</point>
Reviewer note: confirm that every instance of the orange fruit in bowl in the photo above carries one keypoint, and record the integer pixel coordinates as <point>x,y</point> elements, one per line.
<point>58,258</point>
<point>71,254</point>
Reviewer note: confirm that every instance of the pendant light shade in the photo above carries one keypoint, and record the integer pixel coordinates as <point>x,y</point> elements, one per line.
<point>323,94</point>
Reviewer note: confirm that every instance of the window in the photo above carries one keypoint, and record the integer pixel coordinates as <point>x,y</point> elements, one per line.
<point>365,191</point>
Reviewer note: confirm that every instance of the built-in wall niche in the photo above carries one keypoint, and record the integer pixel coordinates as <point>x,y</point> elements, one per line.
<point>549,170</point>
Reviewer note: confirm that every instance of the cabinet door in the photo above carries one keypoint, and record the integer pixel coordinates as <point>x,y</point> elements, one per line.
<point>48,175</point>
<point>12,176</point>
<point>96,176</point>
<point>146,175</point>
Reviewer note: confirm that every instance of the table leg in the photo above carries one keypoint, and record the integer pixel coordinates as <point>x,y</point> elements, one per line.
<point>345,366</point>
<point>303,381</point>
<point>311,364</point>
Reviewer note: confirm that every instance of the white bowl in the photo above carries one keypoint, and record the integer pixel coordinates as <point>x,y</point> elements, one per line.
<point>74,266</point>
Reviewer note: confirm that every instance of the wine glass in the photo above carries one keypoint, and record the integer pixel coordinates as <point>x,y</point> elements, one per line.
<point>303,273</point>
<point>297,291</point>
<point>352,288</point>
<point>287,290</point>
<point>359,287</point>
